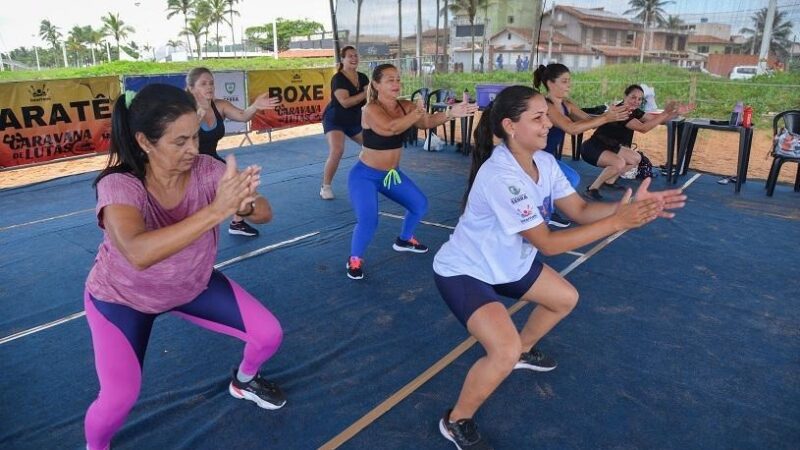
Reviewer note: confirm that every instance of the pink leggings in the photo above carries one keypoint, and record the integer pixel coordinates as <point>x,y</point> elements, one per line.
<point>120,335</point>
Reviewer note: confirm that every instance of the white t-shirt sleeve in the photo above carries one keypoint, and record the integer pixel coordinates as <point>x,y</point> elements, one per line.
<point>513,203</point>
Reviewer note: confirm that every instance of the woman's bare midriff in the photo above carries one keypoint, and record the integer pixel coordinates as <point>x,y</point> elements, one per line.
<point>381,159</point>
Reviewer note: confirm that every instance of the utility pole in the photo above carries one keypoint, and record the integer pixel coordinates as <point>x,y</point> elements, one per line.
<point>767,37</point>
<point>537,26</point>
<point>550,37</point>
<point>64,53</point>
<point>419,37</point>
<point>275,38</point>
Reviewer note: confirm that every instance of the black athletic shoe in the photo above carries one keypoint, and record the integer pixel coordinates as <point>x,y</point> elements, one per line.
<point>536,360</point>
<point>265,394</point>
<point>559,221</point>
<point>242,228</point>
<point>615,186</point>
<point>463,433</point>
<point>411,245</point>
<point>593,194</point>
<point>354,270</point>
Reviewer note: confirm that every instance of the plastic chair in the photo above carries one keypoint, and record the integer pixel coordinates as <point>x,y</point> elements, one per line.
<point>413,133</point>
<point>439,96</point>
<point>791,121</point>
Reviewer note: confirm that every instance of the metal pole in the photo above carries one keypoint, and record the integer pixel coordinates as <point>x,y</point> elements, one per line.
<point>537,25</point>
<point>419,37</point>
<point>275,38</point>
<point>335,33</point>
<point>64,52</point>
<point>36,51</point>
<point>767,37</point>
<point>2,66</point>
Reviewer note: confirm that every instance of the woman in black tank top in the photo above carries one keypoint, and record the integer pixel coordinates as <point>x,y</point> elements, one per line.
<point>212,113</point>
<point>385,121</point>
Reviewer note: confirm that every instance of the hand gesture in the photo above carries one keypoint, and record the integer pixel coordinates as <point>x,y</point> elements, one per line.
<point>685,108</point>
<point>236,189</point>
<point>668,200</point>
<point>419,108</point>
<point>463,109</point>
<point>616,113</point>
<point>634,215</point>
<point>263,101</point>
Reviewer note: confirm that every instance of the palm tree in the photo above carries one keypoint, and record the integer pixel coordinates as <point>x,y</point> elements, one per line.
<point>114,26</point>
<point>673,23</point>
<point>470,8</point>
<point>202,11</point>
<point>195,29</point>
<point>400,35</point>
<point>216,14</point>
<point>445,11</point>
<point>231,12</point>
<point>50,34</point>
<point>95,39</point>
<point>175,7</point>
<point>75,43</point>
<point>780,41</point>
<point>648,12</point>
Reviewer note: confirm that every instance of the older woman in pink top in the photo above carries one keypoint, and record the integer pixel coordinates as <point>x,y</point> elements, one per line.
<point>159,204</point>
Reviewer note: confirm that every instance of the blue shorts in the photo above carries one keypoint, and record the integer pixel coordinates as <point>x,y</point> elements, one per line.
<point>330,125</point>
<point>464,294</point>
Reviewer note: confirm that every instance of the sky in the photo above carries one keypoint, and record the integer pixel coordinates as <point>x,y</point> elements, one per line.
<point>19,26</point>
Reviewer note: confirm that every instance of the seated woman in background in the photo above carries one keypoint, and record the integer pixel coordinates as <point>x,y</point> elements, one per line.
<point>610,146</point>
<point>567,118</point>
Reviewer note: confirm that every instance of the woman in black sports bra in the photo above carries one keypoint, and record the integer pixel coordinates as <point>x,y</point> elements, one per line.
<point>213,112</point>
<point>385,121</point>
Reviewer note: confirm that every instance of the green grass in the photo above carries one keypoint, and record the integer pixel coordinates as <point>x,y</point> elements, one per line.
<point>714,97</point>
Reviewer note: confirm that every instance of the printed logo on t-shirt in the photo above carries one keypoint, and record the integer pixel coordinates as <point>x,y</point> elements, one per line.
<point>526,213</point>
<point>517,193</point>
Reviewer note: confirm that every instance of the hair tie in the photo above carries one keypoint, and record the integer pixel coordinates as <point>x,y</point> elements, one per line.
<point>129,98</point>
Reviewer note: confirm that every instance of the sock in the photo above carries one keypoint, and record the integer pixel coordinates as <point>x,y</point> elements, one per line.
<point>242,377</point>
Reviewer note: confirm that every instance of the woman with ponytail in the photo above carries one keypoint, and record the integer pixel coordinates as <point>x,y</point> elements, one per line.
<point>342,116</point>
<point>567,118</point>
<point>491,253</point>
<point>386,119</point>
<point>159,205</point>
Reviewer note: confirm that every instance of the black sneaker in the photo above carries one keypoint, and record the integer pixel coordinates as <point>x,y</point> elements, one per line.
<point>615,186</point>
<point>265,394</point>
<point>463,433</point>
<point>242,228</point>
<point>557,220</point>
<point>536,360</point>
<point>354,270</point>
<point>411,245</point>
<point>593,194</point>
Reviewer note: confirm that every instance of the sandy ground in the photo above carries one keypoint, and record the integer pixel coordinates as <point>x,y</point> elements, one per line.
<point>715,152</point>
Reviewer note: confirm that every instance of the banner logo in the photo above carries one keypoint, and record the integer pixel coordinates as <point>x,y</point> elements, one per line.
<point>230,87</point>
<point>41,94</point>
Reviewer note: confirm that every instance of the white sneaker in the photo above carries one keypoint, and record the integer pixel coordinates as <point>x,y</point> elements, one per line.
<point>326,192</point>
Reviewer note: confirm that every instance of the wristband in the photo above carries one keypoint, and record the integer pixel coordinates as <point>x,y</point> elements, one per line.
<point>447,113</point>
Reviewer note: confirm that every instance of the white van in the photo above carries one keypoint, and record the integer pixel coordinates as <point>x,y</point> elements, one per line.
<point>743,72</point>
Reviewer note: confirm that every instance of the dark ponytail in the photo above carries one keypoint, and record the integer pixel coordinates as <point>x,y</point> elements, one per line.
<point>544,74</point>
<point>510,103</point>
<point>149,113</point>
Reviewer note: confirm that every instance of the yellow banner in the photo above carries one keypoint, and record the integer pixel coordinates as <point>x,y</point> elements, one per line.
<point>51,119</point>
<point>303,93</point>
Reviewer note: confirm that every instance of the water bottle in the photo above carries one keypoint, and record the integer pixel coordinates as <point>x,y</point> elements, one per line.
<point>747,116</point>
<point>736,115</point>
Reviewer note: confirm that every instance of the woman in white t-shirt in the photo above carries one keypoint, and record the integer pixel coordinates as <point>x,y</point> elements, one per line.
<point>512,189</point>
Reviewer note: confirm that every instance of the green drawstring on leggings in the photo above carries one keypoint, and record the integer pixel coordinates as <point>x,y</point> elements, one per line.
<point>392,177</point>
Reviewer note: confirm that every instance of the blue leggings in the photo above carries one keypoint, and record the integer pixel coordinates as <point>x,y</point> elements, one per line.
<point>364,183</point>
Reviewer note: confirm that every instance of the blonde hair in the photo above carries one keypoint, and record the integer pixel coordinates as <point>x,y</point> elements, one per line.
<point>194,75</point>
